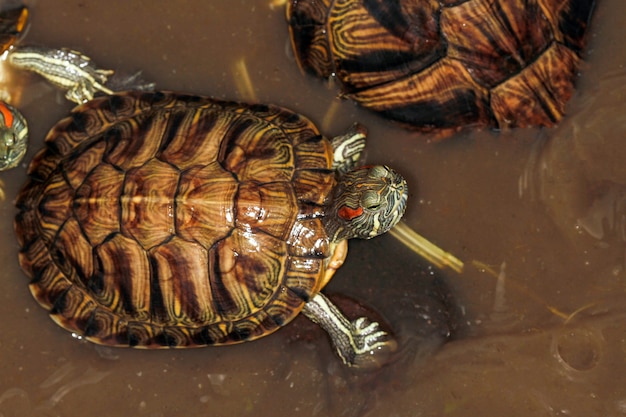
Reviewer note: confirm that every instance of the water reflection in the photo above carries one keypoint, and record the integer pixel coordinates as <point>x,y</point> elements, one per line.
<point>578,173</point>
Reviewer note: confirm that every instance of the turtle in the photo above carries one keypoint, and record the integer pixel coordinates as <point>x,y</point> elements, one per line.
<point>64,68</point>
<point>444,65</point>
<point>162,219</point>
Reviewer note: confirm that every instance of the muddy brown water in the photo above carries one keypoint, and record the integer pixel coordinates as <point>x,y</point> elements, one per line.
<point>538,217</point>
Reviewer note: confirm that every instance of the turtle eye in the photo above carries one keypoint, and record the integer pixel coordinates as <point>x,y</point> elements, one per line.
<point>371,201</point>
<point>379,171</point>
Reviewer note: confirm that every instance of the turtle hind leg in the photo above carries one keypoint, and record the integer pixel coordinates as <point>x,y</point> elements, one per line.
<point>348,149</point>
<point>359,343</point>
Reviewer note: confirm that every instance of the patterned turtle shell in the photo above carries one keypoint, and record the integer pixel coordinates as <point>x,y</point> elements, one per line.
<point>444,64</point>
<point>165,220</point>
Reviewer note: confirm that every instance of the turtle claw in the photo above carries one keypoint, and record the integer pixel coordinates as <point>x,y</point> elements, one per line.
<point>370,344</point>
<point>85,91</point>
<point>368,332</point>
<point>85,86</point>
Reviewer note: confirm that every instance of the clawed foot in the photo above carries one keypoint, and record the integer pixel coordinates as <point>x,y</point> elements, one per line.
<point>367,334</point>
<point>84,90</point>
<point>359,343</point>
<point>371,345</point>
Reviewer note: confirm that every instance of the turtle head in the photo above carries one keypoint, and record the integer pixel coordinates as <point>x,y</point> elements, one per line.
<point>367,202</point>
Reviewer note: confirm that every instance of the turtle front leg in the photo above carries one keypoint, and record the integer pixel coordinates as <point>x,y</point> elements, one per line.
<point>67,69</point>
<point>359,343</point>
<point>348,148</point>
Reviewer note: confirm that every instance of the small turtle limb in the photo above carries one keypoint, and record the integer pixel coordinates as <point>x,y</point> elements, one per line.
<point>348,148</point>
<point>359,343</point>
<point>64,68</point>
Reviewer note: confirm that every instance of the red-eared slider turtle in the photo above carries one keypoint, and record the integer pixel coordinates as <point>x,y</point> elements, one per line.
<point>165,220</point>
<point>444,64</point>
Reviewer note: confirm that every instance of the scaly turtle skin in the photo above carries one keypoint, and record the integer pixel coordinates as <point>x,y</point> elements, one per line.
<point>13,136</point>
<point>167,220</point>
<point>13,127</point>
<point>445,64</point>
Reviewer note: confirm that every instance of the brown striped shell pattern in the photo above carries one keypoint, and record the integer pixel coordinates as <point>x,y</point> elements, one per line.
<point>167,220</point>
<point>438,65</point>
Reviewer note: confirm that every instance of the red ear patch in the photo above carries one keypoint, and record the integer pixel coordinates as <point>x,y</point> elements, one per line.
<point>7,115</point>
<point>348,213</point>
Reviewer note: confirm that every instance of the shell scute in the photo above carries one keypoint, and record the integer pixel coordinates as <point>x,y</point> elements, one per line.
<point>313,153</point>
<point>495,40</point>
<point>48,284</point>
<point>313,187</point>
<point>132,143</point>
<point>250,267</point>
<point>73,305</point>
<point>147,203</point>
<point>376,42</point>
<point>266,208</point>
<point>54,204</point>
<point>254,150</point>
<point>83,164</point>
<point>537,100</point>
<point>199,216</point>
<point>283,305</point>
<point>196,137</point>
<point>102,326</point>
<point>127,294</point>
<point>264,321</point>
<point>96,202</point>
<point>447,97</point>
<point>179,301</point>
<point>76,250</point>
<point>302,276</point>
<point>571,18</point>
<point>308,239</point>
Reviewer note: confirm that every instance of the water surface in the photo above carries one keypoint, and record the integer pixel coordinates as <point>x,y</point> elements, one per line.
<point>538,216</point>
